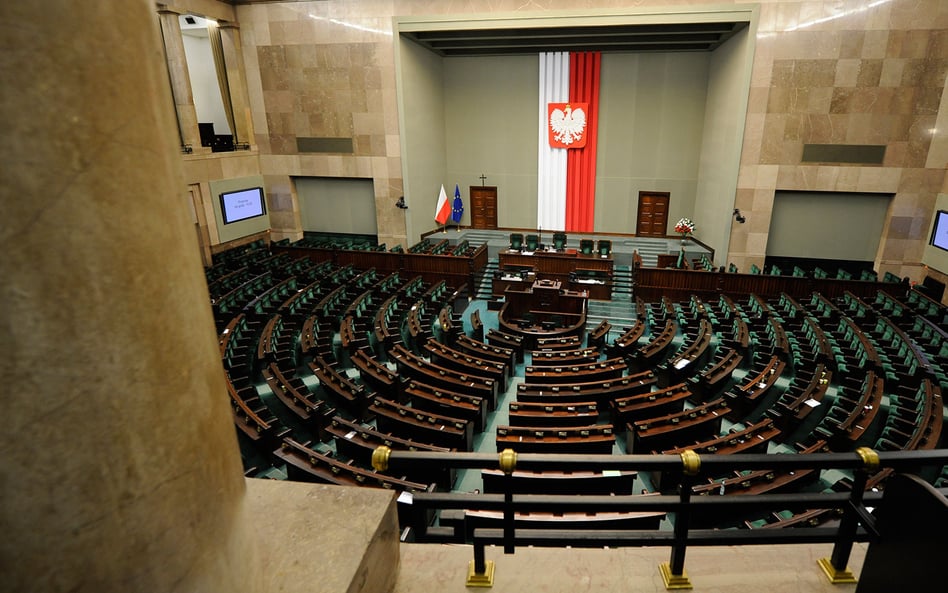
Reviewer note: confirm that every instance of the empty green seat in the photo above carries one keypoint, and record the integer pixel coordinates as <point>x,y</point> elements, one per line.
<point>516,241</point>
<point>605,247</point>
<point>559,241</point>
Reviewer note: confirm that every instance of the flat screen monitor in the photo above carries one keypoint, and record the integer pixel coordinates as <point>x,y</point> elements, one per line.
<point>242,204</point>
<point>940,230</point>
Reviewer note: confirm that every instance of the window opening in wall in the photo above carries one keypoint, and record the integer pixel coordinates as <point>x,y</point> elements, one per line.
<point>209,87</point>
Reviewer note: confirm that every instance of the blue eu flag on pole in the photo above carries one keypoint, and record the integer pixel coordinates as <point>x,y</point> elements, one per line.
<point>458,209</point>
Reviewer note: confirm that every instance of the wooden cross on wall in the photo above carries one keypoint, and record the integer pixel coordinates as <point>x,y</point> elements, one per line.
<point>483,178</point>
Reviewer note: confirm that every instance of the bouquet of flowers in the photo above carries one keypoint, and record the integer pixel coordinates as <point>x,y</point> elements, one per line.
<point>685,227</point>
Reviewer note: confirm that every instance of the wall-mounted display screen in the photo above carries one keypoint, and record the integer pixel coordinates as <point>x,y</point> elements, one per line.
<point>242,204</point>
<point>940,230</point>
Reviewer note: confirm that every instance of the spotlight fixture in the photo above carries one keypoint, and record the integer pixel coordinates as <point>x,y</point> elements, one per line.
<point>401,203</point>
<point>738,216</point>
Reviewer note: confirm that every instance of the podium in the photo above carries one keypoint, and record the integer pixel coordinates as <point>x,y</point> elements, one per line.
<point>544,310</point>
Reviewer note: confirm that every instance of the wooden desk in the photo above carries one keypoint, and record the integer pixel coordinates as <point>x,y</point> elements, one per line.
<point>354,397</point>
<point>676,429</point>
<point>502,281</point>
<point>644,406</point>
<point>556,264</point>
<point>713,379</point>
<point>563,357</point>
<point>750,440</point>
<point>449,358</point>
<point>796,404</point>
<point>649,355</point>
<point>746,396</point>
<point>478,348</point>
<point>359,442</point>
<point>375,374</point>
<point>296,397</point>
<point>598,391</point>
<point>598,439</point>
<point>472,408</point>
<point>597,337</point>
<point>539,414</point>
<point>580,373</point>
<point>848,420</point>
<point>620,483</point>
<point>427,427</point>
<point>628,342</point>
<point>465,522</point>
<point>411,366</point>
<point>689,359</point>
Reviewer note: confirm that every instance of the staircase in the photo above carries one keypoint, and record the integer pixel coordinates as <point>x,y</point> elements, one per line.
<point>622,284</point>
<point>649,249</point>
<point>618,313</point>
<point>483,281</point>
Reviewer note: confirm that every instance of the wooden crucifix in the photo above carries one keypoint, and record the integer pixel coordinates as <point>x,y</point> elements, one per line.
<point>483,178</point>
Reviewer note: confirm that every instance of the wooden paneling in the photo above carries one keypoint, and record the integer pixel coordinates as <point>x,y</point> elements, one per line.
<point>455,270</point>
<point>679,285</point>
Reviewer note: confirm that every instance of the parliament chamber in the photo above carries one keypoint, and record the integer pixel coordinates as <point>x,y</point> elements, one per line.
<point>243,355</point>
<point>354,359</point>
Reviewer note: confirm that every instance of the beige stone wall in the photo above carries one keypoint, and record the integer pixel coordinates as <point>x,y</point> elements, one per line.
<point>324,69</point>
<point>842,73</point>
<point>847,71</point>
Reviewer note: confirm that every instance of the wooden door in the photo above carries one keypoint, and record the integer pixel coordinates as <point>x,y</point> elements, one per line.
<point>483,203</point>
<point>652,214</point>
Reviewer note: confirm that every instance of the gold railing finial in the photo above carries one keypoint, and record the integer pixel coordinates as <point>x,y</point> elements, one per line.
<point>380,458</point>
<point>691,462</point>
<point>508,461</point>
<point>870,458</point>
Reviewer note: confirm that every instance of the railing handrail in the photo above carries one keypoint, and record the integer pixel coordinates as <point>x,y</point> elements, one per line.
<point>897,460</point>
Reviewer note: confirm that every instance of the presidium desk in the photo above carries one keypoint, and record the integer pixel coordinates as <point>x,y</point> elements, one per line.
<point>575,271</point>
<point>543,310</point>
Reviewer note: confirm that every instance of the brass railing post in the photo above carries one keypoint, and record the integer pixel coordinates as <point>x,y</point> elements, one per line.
<point>673,572</point>
<point>480,572</point>
<point>835,566</point>
<point>508,463</point>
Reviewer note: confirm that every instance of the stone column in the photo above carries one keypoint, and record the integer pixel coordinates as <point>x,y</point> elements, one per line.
<point>180,80</point>
<point>119,465</point>
<point>240,102</point>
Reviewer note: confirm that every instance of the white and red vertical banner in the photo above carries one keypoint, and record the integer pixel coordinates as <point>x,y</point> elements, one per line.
<point>551,162</point>
<point>568,133</point>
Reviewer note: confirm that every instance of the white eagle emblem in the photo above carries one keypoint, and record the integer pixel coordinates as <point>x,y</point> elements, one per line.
<point>567,124</point>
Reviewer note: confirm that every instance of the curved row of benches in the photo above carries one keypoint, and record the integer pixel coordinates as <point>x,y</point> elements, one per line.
<point>666,392</point>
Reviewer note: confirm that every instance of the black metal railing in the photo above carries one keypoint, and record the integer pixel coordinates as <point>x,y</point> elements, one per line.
<point>856,521</point>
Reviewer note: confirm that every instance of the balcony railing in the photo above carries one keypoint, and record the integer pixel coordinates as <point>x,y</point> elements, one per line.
<point>857,523</point>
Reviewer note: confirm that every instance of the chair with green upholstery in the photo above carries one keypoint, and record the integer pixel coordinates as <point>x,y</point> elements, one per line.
<point>586,246</point>
<point>516,241</point>
<point>533,242</point>
<point>604,247</point>
<point>559,241</point>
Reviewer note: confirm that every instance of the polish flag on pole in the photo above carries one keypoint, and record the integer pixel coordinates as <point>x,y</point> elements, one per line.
<point>443,210</point>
